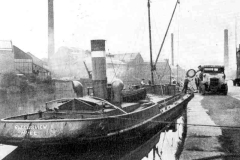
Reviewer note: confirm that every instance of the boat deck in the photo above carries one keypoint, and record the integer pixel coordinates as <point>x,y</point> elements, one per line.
<point>157,98</point>
<point>65,110</point>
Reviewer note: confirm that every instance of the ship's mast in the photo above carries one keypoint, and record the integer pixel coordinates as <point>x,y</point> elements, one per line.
<point>150,42</point>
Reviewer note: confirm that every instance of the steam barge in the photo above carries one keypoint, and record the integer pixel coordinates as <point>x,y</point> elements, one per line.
<point>88,119</point>
<point>93,118</point>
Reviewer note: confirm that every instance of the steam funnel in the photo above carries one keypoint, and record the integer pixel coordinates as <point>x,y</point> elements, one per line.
<point>99,75</point>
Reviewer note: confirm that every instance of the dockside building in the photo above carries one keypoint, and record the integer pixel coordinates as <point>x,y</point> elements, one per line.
<point>13,59</point>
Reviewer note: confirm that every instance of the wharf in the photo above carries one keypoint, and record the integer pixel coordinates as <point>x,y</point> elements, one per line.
<point>202,135</point>
<point>5,150</point>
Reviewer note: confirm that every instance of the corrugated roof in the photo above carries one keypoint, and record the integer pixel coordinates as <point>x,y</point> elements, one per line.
<point>35,59</point>
<point>19,54</point>
<point>109,61</point>
<point>5,45</point>
<point>126,57</point>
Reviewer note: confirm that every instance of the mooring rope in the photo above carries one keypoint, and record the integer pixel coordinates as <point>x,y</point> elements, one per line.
<point>191,124</point>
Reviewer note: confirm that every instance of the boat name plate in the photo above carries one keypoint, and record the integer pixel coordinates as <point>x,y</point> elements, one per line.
<point>33,127</point>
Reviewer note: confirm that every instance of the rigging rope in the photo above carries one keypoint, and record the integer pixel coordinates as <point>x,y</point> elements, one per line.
<point>113,65</point>
<point>164,72</point>
<point>166,33</point>
<point>189,124</point>
<point>179,11</point>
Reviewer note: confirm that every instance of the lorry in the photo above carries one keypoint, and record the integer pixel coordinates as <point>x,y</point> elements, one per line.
<point>236,81</point>
<point>212,79</point>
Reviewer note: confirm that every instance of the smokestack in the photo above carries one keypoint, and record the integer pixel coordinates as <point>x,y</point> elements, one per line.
<point>226,58</point>
<point>99,75</point>
<point>172,49</point>
<point>50,30</point>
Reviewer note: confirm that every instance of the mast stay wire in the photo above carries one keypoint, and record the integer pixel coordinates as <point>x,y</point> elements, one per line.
<point>113,65</point>
<point>156,29</point>
<point>166,34</point>
<point>158,35</point>
<point>178,13</point>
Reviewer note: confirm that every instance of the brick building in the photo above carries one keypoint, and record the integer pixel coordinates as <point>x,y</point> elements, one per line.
<point>68,63</point>
<point>135,69</point>
<point>13,59</point>
<point>6,57</point>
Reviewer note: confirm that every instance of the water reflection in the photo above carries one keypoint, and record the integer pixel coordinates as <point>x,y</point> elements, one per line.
<point>169,142</point>
<point>162,145</point>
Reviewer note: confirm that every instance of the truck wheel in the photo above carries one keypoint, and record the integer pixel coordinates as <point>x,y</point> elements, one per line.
<point>203,90</point>
<point>234,83</point>
<point>226,91</point>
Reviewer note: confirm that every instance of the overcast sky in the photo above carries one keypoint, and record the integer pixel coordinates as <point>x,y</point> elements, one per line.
<point>198,27</point>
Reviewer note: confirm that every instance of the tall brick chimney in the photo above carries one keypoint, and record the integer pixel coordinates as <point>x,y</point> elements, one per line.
<point>50,30</point>
<point>226,56</point>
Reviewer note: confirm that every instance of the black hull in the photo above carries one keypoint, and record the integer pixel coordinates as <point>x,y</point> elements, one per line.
<point>119,128</point>
<point>158,123</point>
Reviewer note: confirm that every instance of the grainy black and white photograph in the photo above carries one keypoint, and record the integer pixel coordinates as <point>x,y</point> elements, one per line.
<point>119,80</point>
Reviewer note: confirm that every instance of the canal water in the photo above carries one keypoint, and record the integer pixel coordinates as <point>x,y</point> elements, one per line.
<point>162,145</point>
